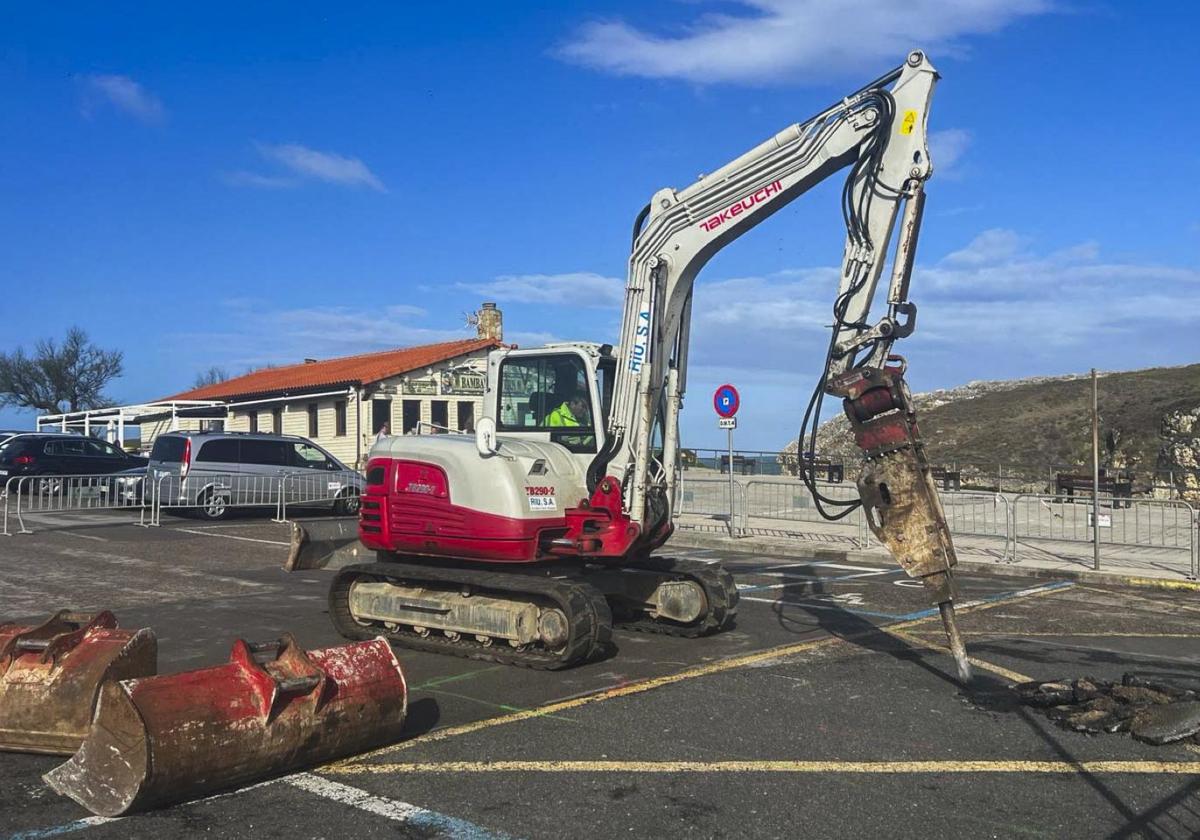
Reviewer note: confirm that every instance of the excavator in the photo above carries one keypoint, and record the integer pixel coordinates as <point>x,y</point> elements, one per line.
<point>524,544</point>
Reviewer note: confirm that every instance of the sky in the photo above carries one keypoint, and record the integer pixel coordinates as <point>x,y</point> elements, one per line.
<point>243,184</point>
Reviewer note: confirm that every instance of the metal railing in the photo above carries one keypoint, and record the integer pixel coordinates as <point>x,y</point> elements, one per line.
<point>40,499</point>
<point>333,487</point>
<point>1155,523</point>
<point>978,476</point>
<point>213,494</point>
<point>760,505</point>
<point>48,495</point>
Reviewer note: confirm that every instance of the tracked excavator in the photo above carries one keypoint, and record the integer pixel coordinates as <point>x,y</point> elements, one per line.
<point>526,543</point>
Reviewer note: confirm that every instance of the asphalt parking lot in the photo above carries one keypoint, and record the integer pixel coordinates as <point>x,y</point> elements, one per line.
<point>828,711</point>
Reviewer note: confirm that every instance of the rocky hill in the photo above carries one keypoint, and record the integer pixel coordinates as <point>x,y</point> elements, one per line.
<point>1149,424</point>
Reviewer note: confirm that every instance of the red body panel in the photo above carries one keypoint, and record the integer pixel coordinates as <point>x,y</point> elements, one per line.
<point>408,507</point>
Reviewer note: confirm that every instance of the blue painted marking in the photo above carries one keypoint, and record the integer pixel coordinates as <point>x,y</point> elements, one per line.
<point>926,613</point>
<point>452,826</point>
<point>65,828</point>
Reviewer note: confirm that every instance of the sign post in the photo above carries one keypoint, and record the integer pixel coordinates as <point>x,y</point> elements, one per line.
<point>726,402</point>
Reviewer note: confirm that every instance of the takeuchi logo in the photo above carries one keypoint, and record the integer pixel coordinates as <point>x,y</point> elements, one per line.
<point>739,207</point>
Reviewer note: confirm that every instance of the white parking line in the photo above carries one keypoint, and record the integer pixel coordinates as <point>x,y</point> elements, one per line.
<point>231,537</point>
<point>392,809</point>
<point>795,580</point>
<point>83,536</point>
<point>826,564</point>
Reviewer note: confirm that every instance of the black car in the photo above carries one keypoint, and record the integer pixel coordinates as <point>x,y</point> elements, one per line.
<point>60,454</point>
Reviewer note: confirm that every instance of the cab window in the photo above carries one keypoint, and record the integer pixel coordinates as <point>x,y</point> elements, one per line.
<point>548,394</point>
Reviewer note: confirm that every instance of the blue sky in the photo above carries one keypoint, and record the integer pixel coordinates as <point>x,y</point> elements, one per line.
<point>223,185</point>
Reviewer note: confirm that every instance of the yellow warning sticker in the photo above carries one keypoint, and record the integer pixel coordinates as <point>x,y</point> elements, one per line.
<point>906,124</point>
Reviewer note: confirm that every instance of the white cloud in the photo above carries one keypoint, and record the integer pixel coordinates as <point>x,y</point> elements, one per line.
<point>995,309</point>
<point>255,335</point>
<point>122,93</point>
<point>947,149</point>
<point>573,289</point>
<point>994,295</point>
<point>790,40</point>
<point>988,247</point>
<point>307,164</point>
<point>242,178</point>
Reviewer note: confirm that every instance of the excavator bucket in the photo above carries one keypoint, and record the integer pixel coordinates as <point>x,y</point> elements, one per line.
<point>271,709</point>
<point>51,676</point>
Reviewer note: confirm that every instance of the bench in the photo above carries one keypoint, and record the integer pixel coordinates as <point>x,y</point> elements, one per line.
<point>741,464</point>
<point>950,479</point>
<point>1119,486</point>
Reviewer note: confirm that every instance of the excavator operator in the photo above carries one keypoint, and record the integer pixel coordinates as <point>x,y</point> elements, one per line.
<point>572,411</point>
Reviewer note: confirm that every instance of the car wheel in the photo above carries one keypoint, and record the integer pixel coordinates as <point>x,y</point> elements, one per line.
<point>347,503</point>
<point>212,506</point>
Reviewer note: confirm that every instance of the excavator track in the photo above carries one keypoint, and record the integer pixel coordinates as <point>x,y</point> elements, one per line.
<point>587,611</point>
<point>719,590</point>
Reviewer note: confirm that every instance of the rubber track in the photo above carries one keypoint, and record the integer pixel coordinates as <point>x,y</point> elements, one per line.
<point>719,590</point>
<point>587,611</point>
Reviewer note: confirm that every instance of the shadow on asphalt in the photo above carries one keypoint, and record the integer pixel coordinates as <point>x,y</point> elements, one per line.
<point>423,716</point>
<point>991,694</point>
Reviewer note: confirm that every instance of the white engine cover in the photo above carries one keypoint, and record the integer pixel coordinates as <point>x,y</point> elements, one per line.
<point>526,479</point>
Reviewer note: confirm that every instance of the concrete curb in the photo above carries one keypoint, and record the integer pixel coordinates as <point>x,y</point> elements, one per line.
<point>816,551</point>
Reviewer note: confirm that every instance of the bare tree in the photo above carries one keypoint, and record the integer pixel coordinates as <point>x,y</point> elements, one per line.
<point>212,376</point>
<point>70,376</point>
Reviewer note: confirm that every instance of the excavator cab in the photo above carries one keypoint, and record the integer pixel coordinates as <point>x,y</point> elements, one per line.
<point>530,392</point>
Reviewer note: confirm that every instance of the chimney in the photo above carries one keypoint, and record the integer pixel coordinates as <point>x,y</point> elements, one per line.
<point>490,322</point>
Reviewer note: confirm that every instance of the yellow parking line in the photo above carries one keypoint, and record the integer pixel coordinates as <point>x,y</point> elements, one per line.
<point>981,664</point>
<point>876,767</point>
<point>351,765</point>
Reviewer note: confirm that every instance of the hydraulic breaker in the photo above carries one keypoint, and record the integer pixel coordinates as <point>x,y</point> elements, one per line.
<point>271,709</point>
<point>898,495</point>
<point>51,675</point>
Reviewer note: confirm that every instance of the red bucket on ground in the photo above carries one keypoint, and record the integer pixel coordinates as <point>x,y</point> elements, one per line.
<point>271,709</point>
<point>51,675</point>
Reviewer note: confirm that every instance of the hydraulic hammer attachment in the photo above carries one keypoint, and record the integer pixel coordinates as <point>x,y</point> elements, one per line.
<point>271,709</point>
<point>898,495</point>
<point>51,675</point>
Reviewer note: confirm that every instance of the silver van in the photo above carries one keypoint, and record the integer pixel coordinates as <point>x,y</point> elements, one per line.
<point>213,472</point>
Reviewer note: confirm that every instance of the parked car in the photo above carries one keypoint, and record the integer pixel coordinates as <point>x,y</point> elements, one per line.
<point>50,456</point>
<point>212,472</point>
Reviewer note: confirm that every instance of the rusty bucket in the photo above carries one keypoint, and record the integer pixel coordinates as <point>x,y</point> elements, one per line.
<point>51,675</point>
<point>271,709</point>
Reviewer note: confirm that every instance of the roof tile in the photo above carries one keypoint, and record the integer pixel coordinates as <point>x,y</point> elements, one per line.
<point>347,370</point>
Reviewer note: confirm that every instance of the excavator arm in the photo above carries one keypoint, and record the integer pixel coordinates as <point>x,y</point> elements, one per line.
<point>879,133</point>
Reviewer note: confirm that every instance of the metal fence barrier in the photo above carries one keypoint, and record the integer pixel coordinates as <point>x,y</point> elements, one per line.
<point>213,494</point>
<point>1157,523</point>
<point>47,495</point>
<point>761,504</point>
<point>978,476</point>
<point>320,487</point>
<point>50,495</point>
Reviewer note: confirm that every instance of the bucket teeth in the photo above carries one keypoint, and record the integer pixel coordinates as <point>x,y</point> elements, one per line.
<point>51,676</point>
<point>271,709</point>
